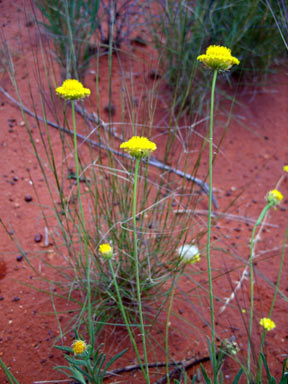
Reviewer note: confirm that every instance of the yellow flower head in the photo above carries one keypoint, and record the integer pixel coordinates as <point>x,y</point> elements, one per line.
<point>106,251</point>
<point>218,57</point>
<point>274,197</point>
<point>79,347</point>
<point>72,89</point>
<point>138,146</point>
<point>285,168</point>
<point>267,323</point>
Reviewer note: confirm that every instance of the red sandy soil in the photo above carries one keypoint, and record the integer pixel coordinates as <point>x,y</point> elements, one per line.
<point>250,160</point>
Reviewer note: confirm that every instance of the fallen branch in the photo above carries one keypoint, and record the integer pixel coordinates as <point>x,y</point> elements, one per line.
<point>182,366</point>
<point>151,160</point>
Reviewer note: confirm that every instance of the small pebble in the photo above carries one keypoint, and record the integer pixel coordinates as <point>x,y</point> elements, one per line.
<point>15,178</point>
<point>1,298</point>
<point>19,258</point>
<point>110,109</point>
<point>16,298</point>
<point>154,74</point>
<point>28,198</point>
<point>38,238</point>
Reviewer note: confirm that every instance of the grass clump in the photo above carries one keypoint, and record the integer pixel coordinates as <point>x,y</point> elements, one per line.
<point>184,29</point>
<point>79,29</point>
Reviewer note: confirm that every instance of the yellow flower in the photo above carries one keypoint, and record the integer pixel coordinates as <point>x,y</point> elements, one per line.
<point>285,168</point>
<point>79,347</point>
<point>106,251</point>
<point>218,57</point>
<point>274,197</point>
<point>72,89</point>
<point>267,323</point>
<point>138,146</point>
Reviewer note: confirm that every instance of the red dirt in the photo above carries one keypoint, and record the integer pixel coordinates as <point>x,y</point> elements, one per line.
<point>251,159</point>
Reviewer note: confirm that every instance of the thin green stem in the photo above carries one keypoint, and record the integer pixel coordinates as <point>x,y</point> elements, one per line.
<point>82,228</point>
<point>258,222</point>
<point>173,289</point>
<point>111,33</point>
<point>137,270</point>
<point>213,344</point>
<point>259,368</point>
<point>123,312</point>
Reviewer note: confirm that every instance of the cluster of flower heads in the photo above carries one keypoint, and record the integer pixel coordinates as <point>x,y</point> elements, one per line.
<point>267,324</point>
<point>274,196</point>
<point>138,146</point>
<point>79,347</point>
<point>218,58</point>
<point>72,89</point>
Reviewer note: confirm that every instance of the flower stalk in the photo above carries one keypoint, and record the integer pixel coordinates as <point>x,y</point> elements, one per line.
<point>138,288</point>
<point>72,90</point>
<point>138,147</point>
<point>88,286</point>
<point>216,58</point>
<point>274,197</point>
<point>213,341</point>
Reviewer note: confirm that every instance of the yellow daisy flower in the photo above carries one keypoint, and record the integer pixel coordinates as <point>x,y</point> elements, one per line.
<point>285,168</point>
<point>218,57</point>
<point>79,347</point>
<point>267,323</point>
<point>72,89</point>
<point>138,146</point>
<point>274,196</point>
<point>106,251</point>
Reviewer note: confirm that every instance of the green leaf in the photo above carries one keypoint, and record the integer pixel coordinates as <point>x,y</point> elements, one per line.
<point>62,348</point>
<point>78,376</point>
<point>237,377</point>
<point>266,366</point>
<point>114,358</point>
<point>9,375</point>
<point>204,373</point>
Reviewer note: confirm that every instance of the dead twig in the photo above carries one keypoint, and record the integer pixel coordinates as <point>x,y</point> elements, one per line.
<point>151,160</point>
<point>182,366</point>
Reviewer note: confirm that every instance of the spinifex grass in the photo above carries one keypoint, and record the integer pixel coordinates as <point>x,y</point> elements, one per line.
<point>183,29</point>
<point>79,29</point>
<point>103,181</point>
<point>71,24</point>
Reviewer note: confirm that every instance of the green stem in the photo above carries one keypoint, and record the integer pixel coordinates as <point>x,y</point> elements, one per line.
<point>123,312</point>
<point>259,368</point>
<point>173,289</point>
<point>82,227</point>
<point>258,222</point>
<point>137,270</point>
<point>213,344</point>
